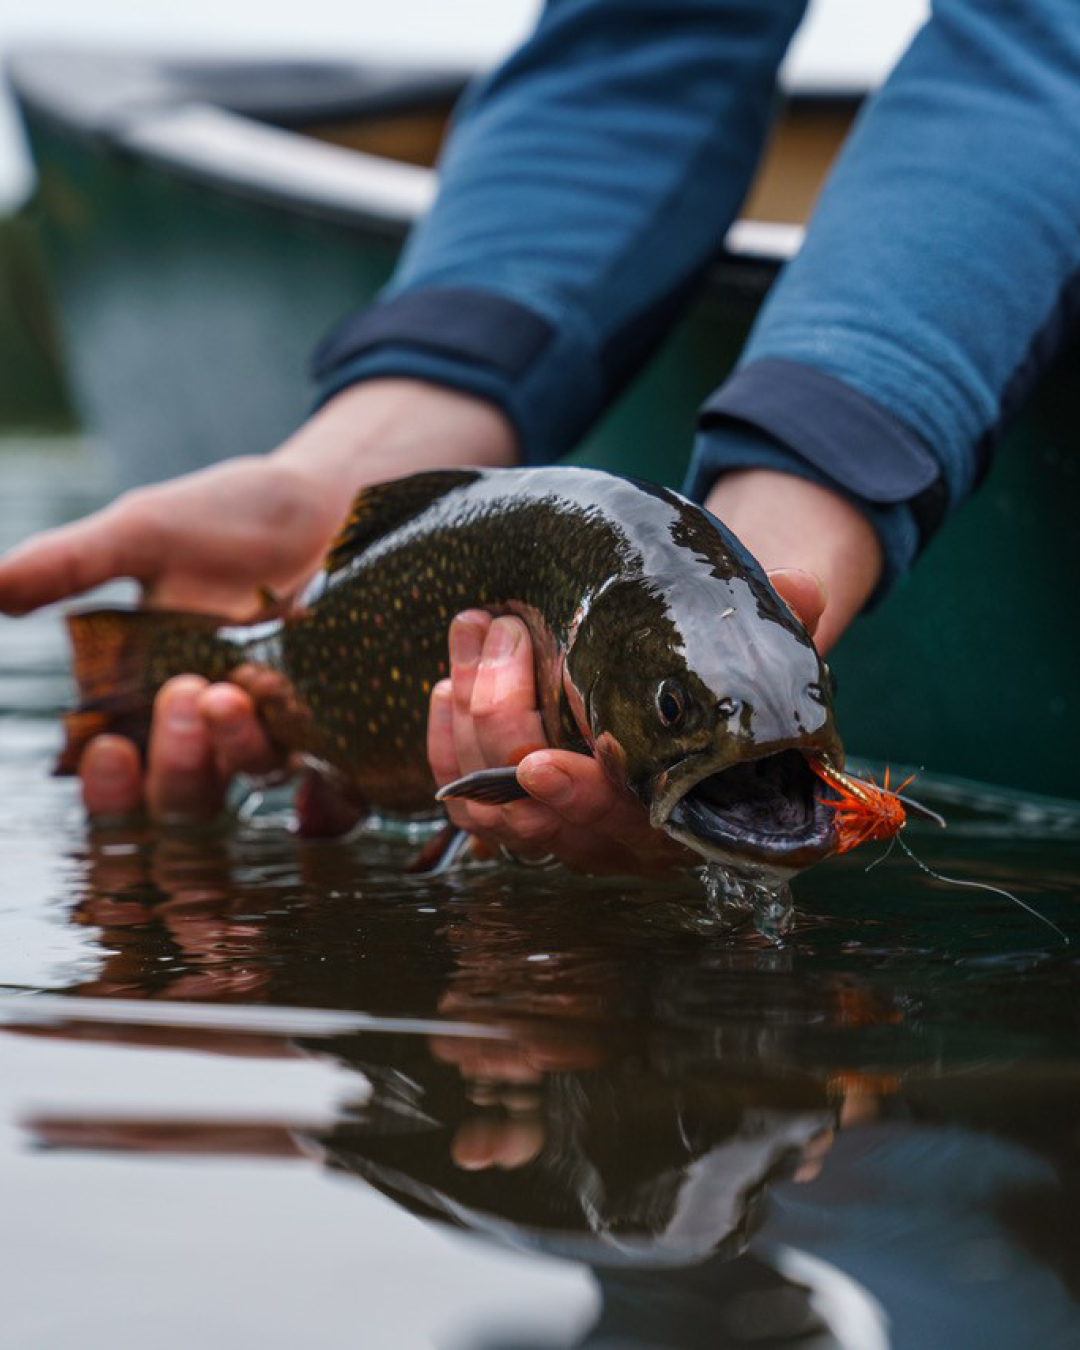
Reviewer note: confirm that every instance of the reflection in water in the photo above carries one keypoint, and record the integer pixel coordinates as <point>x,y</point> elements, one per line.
<point>866,1136</point>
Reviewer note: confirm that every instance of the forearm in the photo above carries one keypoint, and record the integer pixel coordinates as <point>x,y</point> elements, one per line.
<point>381,429</point>
<point>934,284</point>
<point>587,185</point>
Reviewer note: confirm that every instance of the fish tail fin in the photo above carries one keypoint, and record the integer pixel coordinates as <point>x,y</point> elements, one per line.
<point>122,657</point>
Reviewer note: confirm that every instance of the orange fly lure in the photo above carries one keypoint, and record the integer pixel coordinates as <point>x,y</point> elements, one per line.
<point>863,810</point>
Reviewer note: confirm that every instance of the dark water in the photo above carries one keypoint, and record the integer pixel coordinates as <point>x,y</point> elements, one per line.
<point>261,1092</point>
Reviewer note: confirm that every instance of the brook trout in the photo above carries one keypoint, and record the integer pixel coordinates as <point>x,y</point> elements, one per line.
<point>660,648</point>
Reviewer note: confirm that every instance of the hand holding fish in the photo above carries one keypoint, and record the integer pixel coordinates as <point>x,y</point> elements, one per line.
<point>486,715</point>
<point>181,539</point>
<point>209,541</point>
<point>483,716</point>
<point>658,645</point>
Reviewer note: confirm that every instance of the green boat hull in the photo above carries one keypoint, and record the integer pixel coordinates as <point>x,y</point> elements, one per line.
<point>189,305</point>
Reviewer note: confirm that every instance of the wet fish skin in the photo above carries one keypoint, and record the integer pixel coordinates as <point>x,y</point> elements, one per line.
<point>626,590</point>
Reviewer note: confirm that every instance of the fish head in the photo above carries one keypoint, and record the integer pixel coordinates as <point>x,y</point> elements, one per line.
<point>707,698</point>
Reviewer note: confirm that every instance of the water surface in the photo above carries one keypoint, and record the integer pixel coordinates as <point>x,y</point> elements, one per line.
<point>255,1091</point>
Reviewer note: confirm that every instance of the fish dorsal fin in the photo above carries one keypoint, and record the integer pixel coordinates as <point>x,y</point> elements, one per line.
<point>384,506</point>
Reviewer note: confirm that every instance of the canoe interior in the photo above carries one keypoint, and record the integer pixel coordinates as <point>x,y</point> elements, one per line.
<point>189,305</point>
<point>410,138</point>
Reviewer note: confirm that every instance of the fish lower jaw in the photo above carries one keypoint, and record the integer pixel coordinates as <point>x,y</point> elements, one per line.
<point>764,866</point>
<point>761,817</point>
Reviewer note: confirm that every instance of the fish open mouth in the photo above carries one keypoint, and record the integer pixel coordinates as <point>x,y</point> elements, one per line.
<point>765,810</point>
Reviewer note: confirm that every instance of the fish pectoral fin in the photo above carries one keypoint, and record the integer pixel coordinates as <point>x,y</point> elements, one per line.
<point>269,605</point>
<point>442,852</point>
<point>493,787</point>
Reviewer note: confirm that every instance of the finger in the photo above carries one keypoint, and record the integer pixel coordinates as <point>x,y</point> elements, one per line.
<point>813,1157</point>
<point>506,722</point>
<point>803,592</point>
<point>443,758</point>
<point>573,786</point>
<point>603,828</point>
<point>478,819</point>
<point>485,1142</point>
<point>442,754</point>
<point>74,558</point>
<point>525,828</point>
<point>467,634</point>
<point>182,782</point>
<point>239,740</point>
<point>111,777</point>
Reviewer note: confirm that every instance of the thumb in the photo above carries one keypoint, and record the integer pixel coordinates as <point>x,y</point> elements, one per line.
<point>803,592</point>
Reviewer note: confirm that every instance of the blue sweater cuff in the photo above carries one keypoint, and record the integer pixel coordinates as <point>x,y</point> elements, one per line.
<point>545,375</point>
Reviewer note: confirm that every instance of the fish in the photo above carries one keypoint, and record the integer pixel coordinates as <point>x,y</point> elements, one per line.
<point>660,648</point>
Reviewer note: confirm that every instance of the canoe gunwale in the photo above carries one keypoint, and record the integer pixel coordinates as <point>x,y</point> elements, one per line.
<point>280,168</point>
<point>260,155</point>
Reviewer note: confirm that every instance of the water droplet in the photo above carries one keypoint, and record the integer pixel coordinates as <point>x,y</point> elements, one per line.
<point>772,907</point>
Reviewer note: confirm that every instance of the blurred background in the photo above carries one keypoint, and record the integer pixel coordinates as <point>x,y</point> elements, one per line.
<point>845,46</point>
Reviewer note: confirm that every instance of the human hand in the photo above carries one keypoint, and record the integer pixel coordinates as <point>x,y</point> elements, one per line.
<point>486,716</point>
<point>818,549</point>
<point>209,541</point>
<point>206,541</point>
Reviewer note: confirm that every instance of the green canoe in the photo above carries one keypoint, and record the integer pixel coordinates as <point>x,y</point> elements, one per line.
<point>204,223</point>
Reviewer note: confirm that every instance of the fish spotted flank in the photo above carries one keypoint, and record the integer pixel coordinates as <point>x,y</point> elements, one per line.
<point>660,647</point>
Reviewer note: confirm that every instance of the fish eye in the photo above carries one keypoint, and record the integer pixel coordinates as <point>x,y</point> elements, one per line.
<point>671,703</point>
<point>817,693</point>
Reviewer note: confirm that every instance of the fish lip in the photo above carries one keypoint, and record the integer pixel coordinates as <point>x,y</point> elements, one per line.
<point>724,837</point>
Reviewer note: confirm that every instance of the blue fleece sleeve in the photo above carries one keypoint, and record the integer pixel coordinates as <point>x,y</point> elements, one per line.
<point>586,186</point>
<point>938,278</point>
